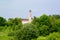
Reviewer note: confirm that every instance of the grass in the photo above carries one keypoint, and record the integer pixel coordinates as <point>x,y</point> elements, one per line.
<point>4,38</point>
<point>4,35</point>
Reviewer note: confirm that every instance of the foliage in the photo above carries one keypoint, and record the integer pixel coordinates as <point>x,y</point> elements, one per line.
<point>28,32</point>
<point>56,16</point>
<point>44,30</point>
<point>41,28</point>
<point>11,34</point>
<point>43,20</point>
<point>15,23</point>
<point>46,24</point>
<point>54,36</point>
<point>2,21</point>
<point>41,38</point>
<point>57,25</point>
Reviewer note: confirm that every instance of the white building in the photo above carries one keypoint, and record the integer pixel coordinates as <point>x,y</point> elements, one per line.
<point>24,21</point>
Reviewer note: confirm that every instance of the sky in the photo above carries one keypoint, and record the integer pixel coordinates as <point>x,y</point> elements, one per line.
<point>20,8</point>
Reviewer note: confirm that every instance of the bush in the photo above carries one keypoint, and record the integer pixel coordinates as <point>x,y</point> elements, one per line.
<point>44,30</point>
<point>11,34</point>
<point>28,32</point>
<point>1,28</point>
<point>41,38</point>
<point>2,21</point>
<point>54,36</point>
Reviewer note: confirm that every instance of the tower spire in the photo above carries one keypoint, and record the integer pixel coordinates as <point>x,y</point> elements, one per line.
<point>30,15</point>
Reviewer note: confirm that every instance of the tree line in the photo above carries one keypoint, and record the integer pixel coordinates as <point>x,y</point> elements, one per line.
<point>41,28</point>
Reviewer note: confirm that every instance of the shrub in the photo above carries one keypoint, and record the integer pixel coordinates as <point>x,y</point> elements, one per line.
<point>11,34</point>
<point>44,30</point>
<point>54,36</point>
<point>41,38</point>
<point>28,32</point>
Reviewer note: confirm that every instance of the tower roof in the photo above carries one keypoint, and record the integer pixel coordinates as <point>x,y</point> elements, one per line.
<point>30,10</point>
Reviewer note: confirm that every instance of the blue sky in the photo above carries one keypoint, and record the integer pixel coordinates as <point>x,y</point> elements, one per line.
<point>20,8</point>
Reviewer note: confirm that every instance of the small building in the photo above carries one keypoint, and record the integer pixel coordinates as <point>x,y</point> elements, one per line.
<point>24,21</point>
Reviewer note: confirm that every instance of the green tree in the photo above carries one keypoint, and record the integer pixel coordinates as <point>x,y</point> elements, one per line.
<point>35,21</point>
<point>43,24</point>
<point>44,30</point>
<point>28,32</point>
<point>15,23</point>
<point>54,36</point>
<point>43,20</point>
<point>10,22</point>
<point>41,38</point>
<point>56,16</point>
<point>57,26</point>
<point>2,21</point>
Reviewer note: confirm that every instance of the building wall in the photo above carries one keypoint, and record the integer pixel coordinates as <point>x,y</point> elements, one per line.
<point>24,22</point>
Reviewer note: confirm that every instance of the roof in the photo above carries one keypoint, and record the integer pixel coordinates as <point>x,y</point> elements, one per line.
<point>25,19</point>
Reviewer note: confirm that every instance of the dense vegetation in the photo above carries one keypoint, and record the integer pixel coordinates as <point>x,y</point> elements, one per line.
<point>41,28</point>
